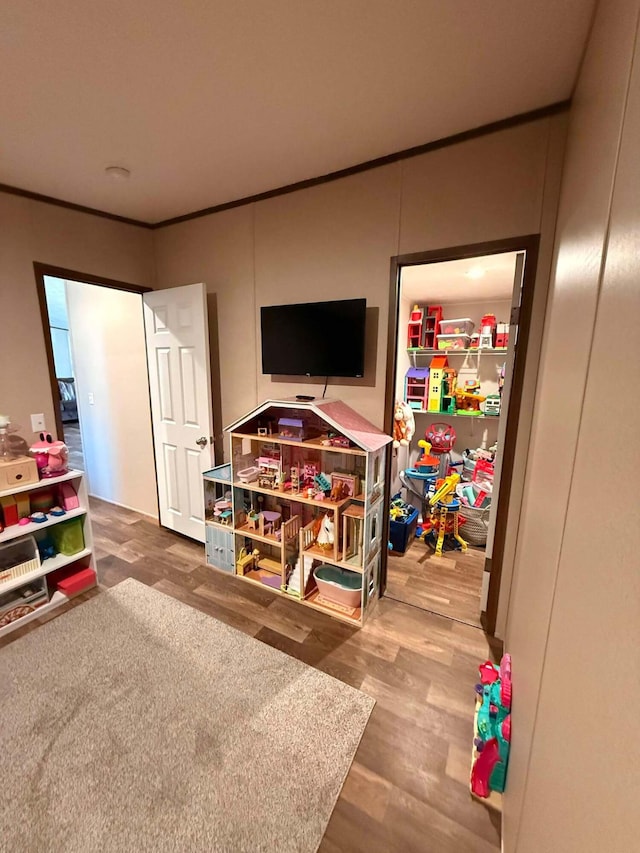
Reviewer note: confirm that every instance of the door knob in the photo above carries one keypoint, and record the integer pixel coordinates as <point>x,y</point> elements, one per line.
<point>202,441</point>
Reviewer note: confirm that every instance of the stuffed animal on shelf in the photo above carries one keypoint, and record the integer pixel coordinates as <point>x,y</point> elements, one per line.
<point>404,424</point>
<point>51,456</point>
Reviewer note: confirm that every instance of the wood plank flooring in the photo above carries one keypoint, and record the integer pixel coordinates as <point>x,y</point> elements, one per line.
<point>449,585</point>
<point>407,788</point>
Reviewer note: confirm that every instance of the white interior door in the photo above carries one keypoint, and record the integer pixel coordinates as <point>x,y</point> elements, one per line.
<point>177,336</point>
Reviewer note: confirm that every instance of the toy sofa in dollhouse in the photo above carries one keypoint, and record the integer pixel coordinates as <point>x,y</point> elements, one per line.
<point>303,497</point>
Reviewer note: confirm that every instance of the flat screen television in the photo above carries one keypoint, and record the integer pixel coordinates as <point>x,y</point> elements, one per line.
<point>314,338</point>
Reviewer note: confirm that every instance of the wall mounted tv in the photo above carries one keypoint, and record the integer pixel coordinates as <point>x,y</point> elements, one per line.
<point>314,338</point>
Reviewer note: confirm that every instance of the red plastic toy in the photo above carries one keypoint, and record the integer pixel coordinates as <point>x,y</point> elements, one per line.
<point>441,437</point>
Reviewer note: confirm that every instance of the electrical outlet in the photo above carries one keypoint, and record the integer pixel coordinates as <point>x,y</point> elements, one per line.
<point>90,396</point>
<point>37,423</point>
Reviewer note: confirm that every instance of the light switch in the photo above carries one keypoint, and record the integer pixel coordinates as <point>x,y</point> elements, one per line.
<point>37,423</point>
<point>90,396</point>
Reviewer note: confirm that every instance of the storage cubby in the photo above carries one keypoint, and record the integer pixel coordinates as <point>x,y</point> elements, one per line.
<point>44,563</point>
<point>306,484</point>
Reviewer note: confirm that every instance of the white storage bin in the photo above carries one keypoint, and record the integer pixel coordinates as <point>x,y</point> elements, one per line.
<point>17,558</point>
<point>453,342</point>
<point>460,326</point>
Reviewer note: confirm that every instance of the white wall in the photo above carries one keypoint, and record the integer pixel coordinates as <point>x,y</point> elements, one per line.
<point>574,617</point>
<point>336,240</point>
<point>107,335</point>
<point>35,231</point>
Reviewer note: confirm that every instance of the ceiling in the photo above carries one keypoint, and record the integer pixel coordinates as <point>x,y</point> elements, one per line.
<point>448,281</point>
<point>208,101</point>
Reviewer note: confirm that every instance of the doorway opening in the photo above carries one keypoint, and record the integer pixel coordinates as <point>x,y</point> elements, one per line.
<point>100,372</point>
<point>460,333</point>
<point>141,368</point>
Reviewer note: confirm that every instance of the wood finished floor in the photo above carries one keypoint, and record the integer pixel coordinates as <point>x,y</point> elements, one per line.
<point>407,788</point>
<point>73,440</point>
<point>449,585</point>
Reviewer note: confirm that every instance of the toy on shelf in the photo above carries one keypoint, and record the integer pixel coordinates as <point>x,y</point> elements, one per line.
<point>14,470</point>
<point>416,388</point>
<point>336,440</point>
<point>437,368</point>
<point>492,405</point>
<point>68,497</point>
<point>502,336</point>
<point>414,331</point>
<point>432,321</point>
<point>270,465</point>
<point>492,728</point>
<point>453,342</point>
<point>344,486</point>
<point>445,519</point>
<point>463,326</point>
<point>293,429</point>
<point>450,381</point>
<point>9,508</point>
<point>468,398</point>
<point>487,331</point>
<point>326,534</point>
<point>404,425</point>
<point>51,456</point>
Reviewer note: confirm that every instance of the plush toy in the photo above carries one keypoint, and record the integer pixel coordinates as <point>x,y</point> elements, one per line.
<point>51,456</point>
<point>404,425</point>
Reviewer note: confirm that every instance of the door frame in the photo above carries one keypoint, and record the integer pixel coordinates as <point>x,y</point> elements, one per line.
<point>530,245</point>
<point>40,271</point>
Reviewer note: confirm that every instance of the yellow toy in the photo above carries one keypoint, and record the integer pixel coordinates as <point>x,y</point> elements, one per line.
<point>444,516</point>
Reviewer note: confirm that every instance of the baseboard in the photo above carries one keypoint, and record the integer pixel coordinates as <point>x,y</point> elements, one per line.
<point>125,506</point>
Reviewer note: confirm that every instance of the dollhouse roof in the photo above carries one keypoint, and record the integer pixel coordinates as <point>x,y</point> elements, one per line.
<point>438,362</point>
<point>417,373</point>
<point>336,414</point>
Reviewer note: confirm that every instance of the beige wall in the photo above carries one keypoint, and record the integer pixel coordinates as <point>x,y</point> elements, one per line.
<point>336,240</point>
<point>110,363</point>
<point>574,620</point>
<point>32,231</point>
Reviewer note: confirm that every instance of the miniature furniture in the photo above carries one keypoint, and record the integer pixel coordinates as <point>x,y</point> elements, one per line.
<point>317,502</point>
<point>30,588</point>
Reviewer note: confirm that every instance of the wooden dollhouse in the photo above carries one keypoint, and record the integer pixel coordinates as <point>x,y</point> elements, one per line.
<point>311,525</point>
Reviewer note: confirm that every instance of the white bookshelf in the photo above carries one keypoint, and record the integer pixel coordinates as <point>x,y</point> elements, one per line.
<point>17,531</point>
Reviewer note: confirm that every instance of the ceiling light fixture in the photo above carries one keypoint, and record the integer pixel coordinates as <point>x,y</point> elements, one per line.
<point>475,272</point>
<point>118,173</point>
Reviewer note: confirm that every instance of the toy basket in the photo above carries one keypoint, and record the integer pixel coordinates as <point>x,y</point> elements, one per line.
<point>476,524</point>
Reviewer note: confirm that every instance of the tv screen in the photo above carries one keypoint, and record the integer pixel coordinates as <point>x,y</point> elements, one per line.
<point>314,338</point>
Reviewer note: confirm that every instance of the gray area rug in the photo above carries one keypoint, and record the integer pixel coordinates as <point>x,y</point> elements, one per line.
<point>135,723</point>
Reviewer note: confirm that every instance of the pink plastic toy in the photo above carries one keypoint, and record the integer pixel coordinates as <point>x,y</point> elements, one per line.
<point>483,767</point>
<point>68,497</point>
<point>51,456</point>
